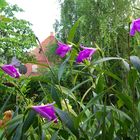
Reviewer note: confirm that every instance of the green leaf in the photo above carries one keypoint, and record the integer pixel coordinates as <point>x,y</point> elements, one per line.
<point>126,100</point>
<point>109,108</point>
<point>132,77</point>
<point>89,104</point>
<point>56,97</point>
<point>3,3</point>
<point>120,103</point>
<point>62,68</point>
<point>66,91</point>
<point>29,121</point>
<point>2,134</point>
<point>32,136</point>
<point>126,65</point>
<point>73,30</point>
<point>37,63</point>
<point>69,92</point>
<point>5,19</point>
<point>73,56</point>
<point>18,133</point>
<point>17,119</point>
<point>12,126</point>
<point>54,135</point>
<point>77,86</point>
<point>139,108</point>
<point>39,128</point>
<point>64,133</point>
<point>107,59</point>
<point>11,130</point>
<point>110,74</point>
<point>111,128</point>
<point>136,62</point>
<point>68,121</point>
<point>5,104</point>
<point>100,84</point>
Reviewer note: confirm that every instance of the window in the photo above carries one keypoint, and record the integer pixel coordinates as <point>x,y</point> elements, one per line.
<point>34,68</point>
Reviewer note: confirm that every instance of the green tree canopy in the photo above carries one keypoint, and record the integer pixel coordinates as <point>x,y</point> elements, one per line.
<point>105,22</point>
<point>16,35</point>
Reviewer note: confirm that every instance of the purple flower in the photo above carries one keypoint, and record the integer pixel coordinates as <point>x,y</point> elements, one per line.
<point>46,111</point>
<point>135,26</point>
<point>10,70</point>
<point>62,49</point>
<point>85,54</point>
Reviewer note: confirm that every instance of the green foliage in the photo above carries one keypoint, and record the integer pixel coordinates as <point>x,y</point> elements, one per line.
<point>97,100</point>
<point>104,22</point>
<point>16,36</point>
<point>2,3</point>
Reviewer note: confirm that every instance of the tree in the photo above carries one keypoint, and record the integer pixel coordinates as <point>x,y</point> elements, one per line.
<point>16,35</point>
<point>105,22</point>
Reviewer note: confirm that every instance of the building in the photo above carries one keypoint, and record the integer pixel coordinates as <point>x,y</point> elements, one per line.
<point>38,52</point>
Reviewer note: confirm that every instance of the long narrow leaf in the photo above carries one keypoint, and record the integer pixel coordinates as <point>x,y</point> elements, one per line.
<point>107,59</point>
<point>68,121</point>
<point>62,68</point>
<point>73,30</point>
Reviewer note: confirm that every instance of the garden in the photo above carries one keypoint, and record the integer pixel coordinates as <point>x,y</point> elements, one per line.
<point>91,88</point>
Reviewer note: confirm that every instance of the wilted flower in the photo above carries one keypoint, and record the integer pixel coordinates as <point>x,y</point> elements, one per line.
<point>135,26</point>
<point>62,49</point>
<point>46,111</point>
<point>15,62</point>
<point>7,116</point>
<point>1,123</point>
<point>85,54</point>
<point>10,70</point>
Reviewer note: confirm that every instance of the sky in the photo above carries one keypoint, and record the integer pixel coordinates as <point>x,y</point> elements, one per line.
<point>41,13</point>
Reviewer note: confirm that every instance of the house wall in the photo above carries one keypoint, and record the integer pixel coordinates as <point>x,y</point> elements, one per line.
<point>40,57</point>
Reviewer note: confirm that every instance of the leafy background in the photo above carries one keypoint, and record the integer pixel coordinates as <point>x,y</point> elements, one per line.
<point>93,100</point>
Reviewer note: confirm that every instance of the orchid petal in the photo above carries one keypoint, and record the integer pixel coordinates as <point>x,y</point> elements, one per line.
<point>135,26</point>
<point>62,49</point>
<point>10,70</point>
<point>85,54</point>
<point>46,111</point>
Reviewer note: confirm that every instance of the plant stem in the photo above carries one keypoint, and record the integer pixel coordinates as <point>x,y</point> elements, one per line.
<point>52,72</point>
<point>45,57</point>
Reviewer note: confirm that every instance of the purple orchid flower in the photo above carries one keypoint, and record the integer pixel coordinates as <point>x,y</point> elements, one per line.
<point>62,49</point>
<point>46,111</point>
<point>135,26</point>
<point>85,54</point>
<point>10,70</point>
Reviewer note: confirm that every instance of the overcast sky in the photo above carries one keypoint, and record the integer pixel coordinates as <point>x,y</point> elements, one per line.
<point>41,13</point>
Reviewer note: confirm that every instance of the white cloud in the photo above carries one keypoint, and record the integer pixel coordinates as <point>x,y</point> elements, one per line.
<point>41,14</point>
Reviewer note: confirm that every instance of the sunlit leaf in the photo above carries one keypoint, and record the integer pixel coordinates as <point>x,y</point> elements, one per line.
<point>3,3</point>
<point>106,59</point>
<point>136,62</point>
